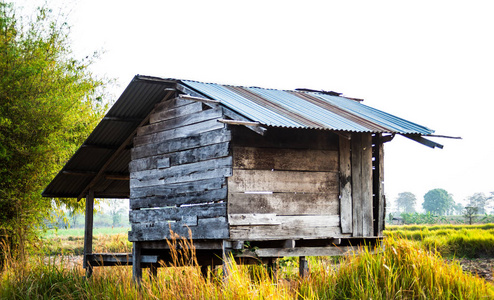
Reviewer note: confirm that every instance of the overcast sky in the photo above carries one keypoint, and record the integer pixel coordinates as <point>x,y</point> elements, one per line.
<point>431,62</point>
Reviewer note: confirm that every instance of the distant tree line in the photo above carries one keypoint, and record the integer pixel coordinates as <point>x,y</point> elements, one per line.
<point>438,203</point>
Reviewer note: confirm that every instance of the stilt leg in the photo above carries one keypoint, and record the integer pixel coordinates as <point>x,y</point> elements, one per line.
<point>227,259</point>
<point>271,268</point>
<point>136,263</point>
<point>303,267</point>
<point>88,233</point>
<point>205,271</point>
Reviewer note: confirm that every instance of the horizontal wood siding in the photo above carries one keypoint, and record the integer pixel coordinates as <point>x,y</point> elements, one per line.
<point>285,185</point>
<point>178,171</point>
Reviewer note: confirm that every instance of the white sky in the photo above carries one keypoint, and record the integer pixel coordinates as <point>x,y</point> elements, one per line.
<point>431,62</point>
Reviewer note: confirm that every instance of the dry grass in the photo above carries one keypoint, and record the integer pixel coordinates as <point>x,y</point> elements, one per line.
<point>400,271</point>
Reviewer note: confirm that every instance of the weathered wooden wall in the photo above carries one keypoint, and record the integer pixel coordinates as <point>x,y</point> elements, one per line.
<point>285,185</point>
<point>177,174</point>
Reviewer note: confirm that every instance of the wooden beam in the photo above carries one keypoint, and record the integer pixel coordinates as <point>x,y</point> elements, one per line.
<point>117,177</point>
<point>346,202</point>
<point>378,184</point>
<point>192,98</point>
<point>239,122</point>
<point>119,119</point>
<point>136,262</point>
<point>108,176</point>
<point>115,155</point>
<point>79,173</point>
<point>303,266</point>
<point>89,146</point>
<point>188,91</point>
<point>236,116</point>
<point>88,233</point>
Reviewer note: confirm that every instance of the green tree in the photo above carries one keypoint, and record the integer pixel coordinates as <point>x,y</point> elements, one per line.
<point>469,213</point>
<point>49,103</point>
<point>405,202</point>
<point>439,202</point>
<point>478,200</point>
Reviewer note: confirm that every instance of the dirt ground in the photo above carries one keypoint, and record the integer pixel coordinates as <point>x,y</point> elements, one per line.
<point>484,267</point>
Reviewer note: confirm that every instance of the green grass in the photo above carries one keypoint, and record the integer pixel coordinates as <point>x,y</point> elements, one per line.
<point>79,232</point>
<point>71,241</point>
<point>465,241</point>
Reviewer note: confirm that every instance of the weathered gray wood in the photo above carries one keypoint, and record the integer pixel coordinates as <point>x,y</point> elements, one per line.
<point>199,99</point>
<point>281,232</point>
<point>179,199</point>
<point>180,121</point>
<point>190,92</point>
<point>378,186</point>
<point>171,113</point>
<point>368,211</point>
<point>211,210</point>
<point>179,132</point>
<point>118,259</point>
<point>285,221</point>
<point>227,257</point>
<point>179,144</point>
<point>136,262</point>
<point>88,231</point>
<point>303,251</point>
<point>285,159</point>
<point>235,116</point>
<point>171,104</point>
<point>181,157</point>
<point>178,189</point>
<point>186,177</point>
<point>285,138</point>
<point>303,266</point>
<point>357,195</point>
<point>283,181</point>
<point>183,173</point>
<point>198,245</point>
<point>211,228</point>
<point>284,203</point>
<point>362,185</point>
<point>346,210</point>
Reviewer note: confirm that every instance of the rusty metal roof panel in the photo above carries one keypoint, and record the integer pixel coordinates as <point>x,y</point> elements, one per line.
<point>393,123</point>
<point>301,109</point>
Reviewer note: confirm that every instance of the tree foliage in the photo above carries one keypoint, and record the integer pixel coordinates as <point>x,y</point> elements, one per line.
<point>405,202</point>
<point>49,102</point>
<point>438,201</point>
<point>478,200</point>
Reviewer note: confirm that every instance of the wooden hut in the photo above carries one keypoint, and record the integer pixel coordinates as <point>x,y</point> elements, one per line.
<point>259,173</point>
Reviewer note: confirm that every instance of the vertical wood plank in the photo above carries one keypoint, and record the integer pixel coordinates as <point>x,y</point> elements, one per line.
<point>378,186</point>
<point>356,155</point>
<point>345,186</point>
<point>367,199</point>
<point>227,260</point>
<point>88,232</point>
<point>136,262</point>
<point>303,266</point>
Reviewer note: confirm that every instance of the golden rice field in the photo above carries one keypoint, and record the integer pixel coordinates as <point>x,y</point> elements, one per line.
<point>406,266</point>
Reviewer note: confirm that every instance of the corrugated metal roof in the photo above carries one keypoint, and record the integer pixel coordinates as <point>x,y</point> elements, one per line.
<point>302,109</point>
<point>122,119</point>
<point>291,109</point>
